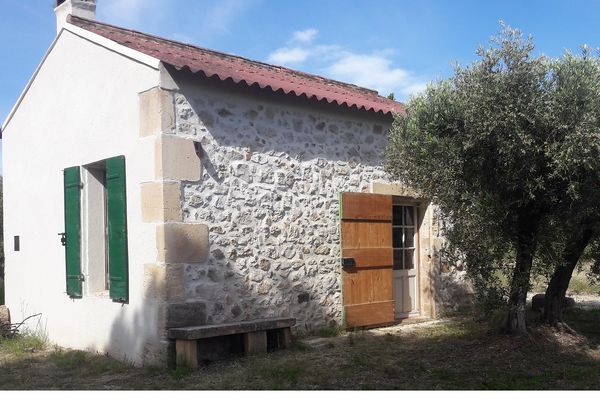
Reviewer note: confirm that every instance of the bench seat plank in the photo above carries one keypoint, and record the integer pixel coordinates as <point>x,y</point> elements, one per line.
<point>207,331</point>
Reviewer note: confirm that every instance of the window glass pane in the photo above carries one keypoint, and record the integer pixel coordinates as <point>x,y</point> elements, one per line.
<point>409,237</point>
<point>397,237</point>
<point>397,215</point>
<point>398,254</point>
<point>409,259</point>
<point>409,216</point>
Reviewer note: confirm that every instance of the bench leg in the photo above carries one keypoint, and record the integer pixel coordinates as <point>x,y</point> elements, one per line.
<point>286,337</point>
<point>186,353</point>
<point>255,342</point>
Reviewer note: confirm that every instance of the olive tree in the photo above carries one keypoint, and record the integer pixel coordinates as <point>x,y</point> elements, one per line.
<point>485,146</point>
<point>575,154</point>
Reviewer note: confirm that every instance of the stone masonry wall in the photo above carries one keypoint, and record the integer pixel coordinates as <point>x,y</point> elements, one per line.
<point>269,194</point>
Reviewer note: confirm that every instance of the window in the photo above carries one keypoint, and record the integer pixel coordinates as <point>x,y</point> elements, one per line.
<point>403,236</point>
<point>96,229</point>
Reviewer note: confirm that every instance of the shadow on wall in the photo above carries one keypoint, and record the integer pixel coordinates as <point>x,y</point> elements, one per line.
<point>296,129</point>
<point>137,335</point>
<point>269,194</point>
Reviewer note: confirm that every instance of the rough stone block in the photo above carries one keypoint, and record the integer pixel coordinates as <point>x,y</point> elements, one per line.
<point>182,242</point>
<point>176,159</point>
<point>181,315</point>
<point>164,282</point>
<point>538,302</point>
<point>161,202</point>
<point>157,112</point>
<point>175,282</point>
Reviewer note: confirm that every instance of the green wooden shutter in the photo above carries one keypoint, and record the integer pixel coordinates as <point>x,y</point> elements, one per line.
<point>72,187</point>
<point>116,205</point>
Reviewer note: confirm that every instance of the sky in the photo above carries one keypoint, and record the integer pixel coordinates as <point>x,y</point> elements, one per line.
<point>392,46</point>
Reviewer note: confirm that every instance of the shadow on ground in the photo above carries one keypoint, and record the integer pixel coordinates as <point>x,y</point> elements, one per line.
<point>459,354</point>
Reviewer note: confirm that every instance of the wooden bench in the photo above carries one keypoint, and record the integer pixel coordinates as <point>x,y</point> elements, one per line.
<point>212,341</point>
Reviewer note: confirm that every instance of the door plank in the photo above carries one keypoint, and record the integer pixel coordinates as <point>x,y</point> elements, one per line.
<point>370,257</point>
<point>366,206</point>
<point>367,285</point>
<point>369,314</point>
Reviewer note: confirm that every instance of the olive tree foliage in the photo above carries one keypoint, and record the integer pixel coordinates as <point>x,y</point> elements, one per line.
<point>575,153</point>
<point>485,146</point>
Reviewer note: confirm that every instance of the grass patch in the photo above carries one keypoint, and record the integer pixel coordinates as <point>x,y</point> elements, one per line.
<point>22,344</point>
<point>580,284</point>
<point>180,372</point>
<point>299,345</point>
<point>461,354</point>
<point>67,359</point>
<point>330,331</point>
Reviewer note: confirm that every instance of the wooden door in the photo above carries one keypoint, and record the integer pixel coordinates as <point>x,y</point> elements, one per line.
<point>367,259</point>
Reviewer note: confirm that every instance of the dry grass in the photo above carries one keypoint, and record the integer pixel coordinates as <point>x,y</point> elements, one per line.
<point>580,284</point>
<point>459,354</point>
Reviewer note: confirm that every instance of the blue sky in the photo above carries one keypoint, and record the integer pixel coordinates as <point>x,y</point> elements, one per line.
<point>388,45</point>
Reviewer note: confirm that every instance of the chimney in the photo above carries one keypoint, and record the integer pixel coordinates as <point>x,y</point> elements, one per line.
<point>78,8</point>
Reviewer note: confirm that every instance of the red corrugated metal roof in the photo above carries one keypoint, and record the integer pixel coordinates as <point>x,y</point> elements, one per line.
<point>241,70</point>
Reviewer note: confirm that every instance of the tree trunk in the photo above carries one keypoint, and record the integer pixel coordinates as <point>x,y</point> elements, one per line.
<point>526,242</point>
<point>557,288</point>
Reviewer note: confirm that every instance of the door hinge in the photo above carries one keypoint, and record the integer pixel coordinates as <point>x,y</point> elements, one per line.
<point>63,238</point>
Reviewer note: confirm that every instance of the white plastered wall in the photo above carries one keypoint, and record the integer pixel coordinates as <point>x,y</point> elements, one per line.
<point>81,107</point>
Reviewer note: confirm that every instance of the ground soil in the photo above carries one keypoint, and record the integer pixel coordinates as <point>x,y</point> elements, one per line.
<point>443,354</point>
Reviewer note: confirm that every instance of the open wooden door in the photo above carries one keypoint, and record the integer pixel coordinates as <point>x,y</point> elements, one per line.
<point>367,259</point>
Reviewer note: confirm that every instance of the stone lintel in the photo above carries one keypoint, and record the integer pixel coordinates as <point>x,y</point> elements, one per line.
<point>395,189</point>
<point>182,242</point>
<point>157,112</point>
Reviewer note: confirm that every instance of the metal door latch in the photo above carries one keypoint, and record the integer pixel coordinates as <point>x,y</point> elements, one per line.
<point>348,263</point>
<point>63,238</point>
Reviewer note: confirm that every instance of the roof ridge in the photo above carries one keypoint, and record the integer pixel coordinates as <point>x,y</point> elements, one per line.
<point>217,52</point>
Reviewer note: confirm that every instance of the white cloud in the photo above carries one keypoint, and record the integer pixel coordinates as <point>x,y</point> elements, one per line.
<point>288,56</point>
<point>374,71</point>
<point>128,11</point>
<point>305,36</point>
<point>296,51</point>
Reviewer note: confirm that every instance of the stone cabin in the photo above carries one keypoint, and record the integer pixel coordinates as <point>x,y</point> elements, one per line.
<point>151,184</point>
